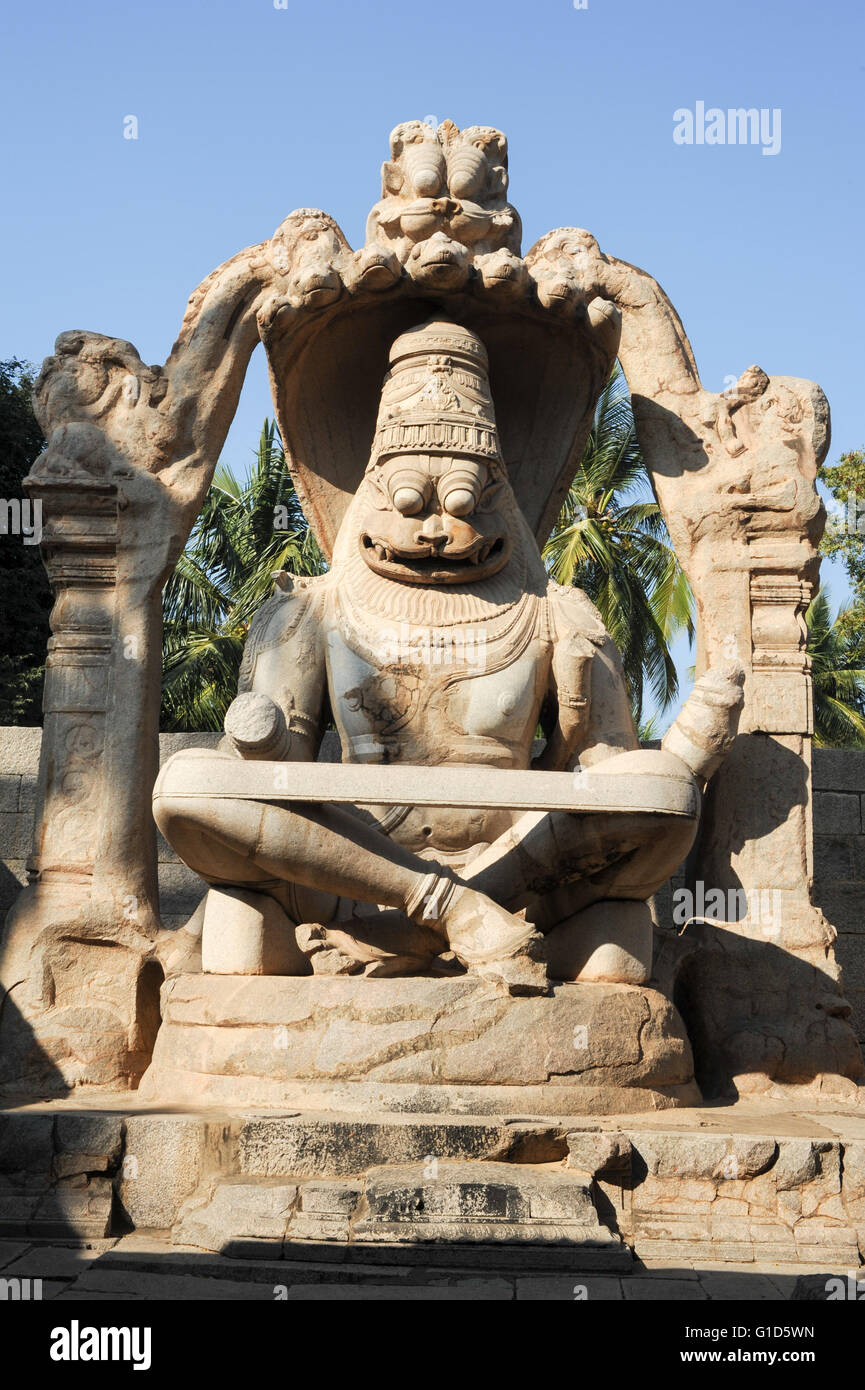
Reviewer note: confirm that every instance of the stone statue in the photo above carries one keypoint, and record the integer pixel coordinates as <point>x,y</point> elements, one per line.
<point>452,849</point>
<point>437,637</point>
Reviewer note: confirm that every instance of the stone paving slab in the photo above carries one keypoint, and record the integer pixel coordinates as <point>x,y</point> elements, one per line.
<point>640,1288</point>
<point>52,1289</point>
<point>12,1250</point>
<point>147,1268</point>
<point>724,1287</point>
<point>547,1289</point>
<point>470,1290</point>
<point>51,1262</point>
<point>173,1287</point>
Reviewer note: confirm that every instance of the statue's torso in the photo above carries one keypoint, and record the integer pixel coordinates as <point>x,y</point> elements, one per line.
<point>426,693</point>
<point>426,697</point>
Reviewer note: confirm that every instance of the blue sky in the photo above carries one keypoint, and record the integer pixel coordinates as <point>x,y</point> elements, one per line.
<point>247,111</point>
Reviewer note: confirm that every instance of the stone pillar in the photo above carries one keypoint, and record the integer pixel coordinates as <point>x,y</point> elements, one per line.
<point>131,451</point>
<point>83,987</point>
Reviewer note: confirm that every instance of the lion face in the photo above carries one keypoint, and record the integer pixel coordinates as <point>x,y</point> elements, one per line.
<point>434,519</point>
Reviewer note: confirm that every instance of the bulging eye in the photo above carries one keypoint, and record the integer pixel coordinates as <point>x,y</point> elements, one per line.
<point>461,487</point>
<point>408,500</point>
<point>409,491</point>
<point>459,501</point>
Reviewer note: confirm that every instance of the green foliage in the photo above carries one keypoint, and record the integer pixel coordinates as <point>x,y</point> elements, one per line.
<point>25,595</point>
<point>837,647</point>
<point>846,481</point>
<point>245,533</point>
<point>838,675</point>
<point>613,543</point>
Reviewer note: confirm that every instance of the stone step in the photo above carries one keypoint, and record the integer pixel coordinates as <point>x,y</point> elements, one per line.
<point>537,1216</point>
<point>336,1146</point>
<point>735,1185</point>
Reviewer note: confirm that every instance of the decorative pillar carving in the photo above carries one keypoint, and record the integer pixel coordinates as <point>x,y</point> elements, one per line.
<point>131,450</point>
<point>84,928</point>
<point>735,477</point>
<point>780,694</point>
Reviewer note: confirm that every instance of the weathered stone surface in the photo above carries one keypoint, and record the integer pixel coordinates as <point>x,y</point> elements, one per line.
<point>706,1156</point>
<point>26,1142</point>
<point>443,1201</point>
<point>599,1152</point>
<point>456,1202</point>
<point>706,1190</point>
<point>742,1196</point>
<point>333,1146</point>
<point>87,1143</point>
<point>320,1042</point>
<point>324,1210</point>
<point>836,813</point>
<point>11,1250</point>
<point>163,1162</point>
<point>235,1215</point>
<point>75,1206</point>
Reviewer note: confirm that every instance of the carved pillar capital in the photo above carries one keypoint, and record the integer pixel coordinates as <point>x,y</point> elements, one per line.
<point>79,547</point>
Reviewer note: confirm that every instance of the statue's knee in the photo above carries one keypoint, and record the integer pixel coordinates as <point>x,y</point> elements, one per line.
<point>165,813</point>
<point>178,817</point>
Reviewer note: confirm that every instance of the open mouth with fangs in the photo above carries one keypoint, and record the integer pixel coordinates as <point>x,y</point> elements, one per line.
<point>435,565</point>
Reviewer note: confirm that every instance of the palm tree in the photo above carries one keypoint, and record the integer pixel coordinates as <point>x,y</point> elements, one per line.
<point>611,541</point>
<point>838,674</point>
<point>245,532</point>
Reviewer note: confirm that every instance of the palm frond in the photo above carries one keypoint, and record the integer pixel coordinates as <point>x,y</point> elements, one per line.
<point>226,571</point>
<point>611,541</point>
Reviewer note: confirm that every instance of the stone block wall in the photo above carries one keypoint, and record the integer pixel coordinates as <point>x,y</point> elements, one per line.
<point>19,764</point>
<point>839,863</point>
<point>180,890</point>
<point>839,843</point>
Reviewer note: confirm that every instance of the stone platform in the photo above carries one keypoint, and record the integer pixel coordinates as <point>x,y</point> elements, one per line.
<point>149,1268</point>
<point>737,1185</point>
<point>433,1046</point>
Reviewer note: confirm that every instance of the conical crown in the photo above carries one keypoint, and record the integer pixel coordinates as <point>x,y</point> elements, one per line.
<point>436,396</point>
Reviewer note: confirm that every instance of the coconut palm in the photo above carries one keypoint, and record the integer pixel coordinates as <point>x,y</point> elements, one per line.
<point>245,532</point>
<point>835,647</point>
<point>611,541</point>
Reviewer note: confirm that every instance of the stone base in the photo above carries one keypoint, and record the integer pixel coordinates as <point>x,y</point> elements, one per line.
<point>736,1185</point>
<point>431,1046</point>
<point>442,1203</point>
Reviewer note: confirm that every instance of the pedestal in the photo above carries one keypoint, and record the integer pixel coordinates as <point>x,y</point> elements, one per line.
<point>422,1045</point>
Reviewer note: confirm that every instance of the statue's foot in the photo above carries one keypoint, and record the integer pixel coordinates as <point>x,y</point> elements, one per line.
<point>179,952</point>
<point>525,973</point>
<point>395,967</point>
<point>324,955</point>
<point>485,938</point>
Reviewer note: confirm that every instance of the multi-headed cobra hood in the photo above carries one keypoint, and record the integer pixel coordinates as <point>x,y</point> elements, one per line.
<point>440,287</point>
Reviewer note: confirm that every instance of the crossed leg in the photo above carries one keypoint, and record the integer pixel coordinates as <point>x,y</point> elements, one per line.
<point>251,843</point>
<point>548,864</point>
